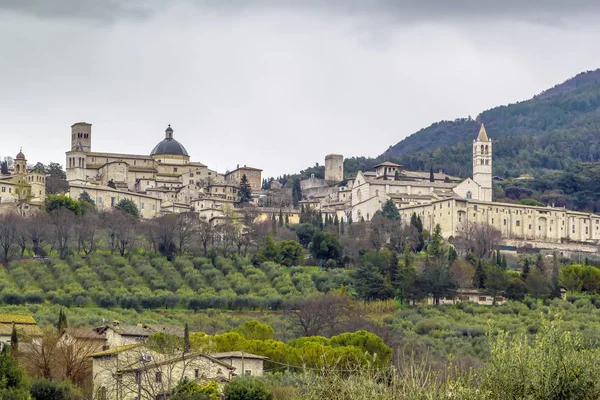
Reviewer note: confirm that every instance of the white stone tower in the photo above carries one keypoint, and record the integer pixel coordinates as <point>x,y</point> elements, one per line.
<point>81,137</point>
<point>482,164</point>
<point>334,167</point>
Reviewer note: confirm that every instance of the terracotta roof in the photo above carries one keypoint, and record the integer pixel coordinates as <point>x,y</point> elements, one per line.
<point>83,333</point>
<point>387,164</point>
<point>25,329</point>
<point>237,354</point>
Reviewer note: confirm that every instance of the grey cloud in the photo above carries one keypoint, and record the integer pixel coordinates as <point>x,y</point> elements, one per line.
<point>106,10</point>
<point>539,11</point>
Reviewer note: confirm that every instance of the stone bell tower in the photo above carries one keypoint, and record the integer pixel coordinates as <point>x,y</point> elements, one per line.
<point>482,164</point>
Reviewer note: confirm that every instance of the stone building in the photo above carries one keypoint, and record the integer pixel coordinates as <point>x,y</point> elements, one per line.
<point>252,174</point>
<point>22,189</point>
<point>165,181</point>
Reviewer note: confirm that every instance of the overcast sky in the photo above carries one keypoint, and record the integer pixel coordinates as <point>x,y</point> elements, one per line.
<point>273,84</point>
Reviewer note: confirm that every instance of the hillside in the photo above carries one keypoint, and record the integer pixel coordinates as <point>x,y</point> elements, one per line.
<point>554,130</point>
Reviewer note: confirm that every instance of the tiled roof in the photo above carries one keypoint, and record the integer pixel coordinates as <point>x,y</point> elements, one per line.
<point>17,319</point>
<point>237,354</point>
<point>115,350</point>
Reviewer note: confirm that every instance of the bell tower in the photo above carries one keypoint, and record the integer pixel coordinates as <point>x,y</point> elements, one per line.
<point>482,164</point>
<point>81,137</point>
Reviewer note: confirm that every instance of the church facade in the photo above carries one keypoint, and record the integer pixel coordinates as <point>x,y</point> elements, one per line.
<point>22,189</point>
<point>165,181</point>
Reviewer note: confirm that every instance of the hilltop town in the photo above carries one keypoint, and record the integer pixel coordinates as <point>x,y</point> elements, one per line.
<point>168,181</point>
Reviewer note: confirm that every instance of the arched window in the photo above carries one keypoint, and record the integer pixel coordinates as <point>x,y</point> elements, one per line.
<point>18,168</point>
<point>487,162</point>
<point>482,148</point>
<point>469,195</point>
<point>486,149</point>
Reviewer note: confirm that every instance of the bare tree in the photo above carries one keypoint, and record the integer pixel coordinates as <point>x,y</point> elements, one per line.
<point>8,232</point>
<point>38,228</point>
<point>205,234</point>
<point>225,233</point>
<point>40,356</point>
<point>74,350</point>
<point>86,232</point>
<point>163,231</point>
<point>22,236</point>
<point>187,225</point>
<point>479,238</point>
<point>62,227</point>
<point>315,315</point>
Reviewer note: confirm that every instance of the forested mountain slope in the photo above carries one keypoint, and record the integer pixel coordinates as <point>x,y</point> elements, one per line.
<point>553,130</point>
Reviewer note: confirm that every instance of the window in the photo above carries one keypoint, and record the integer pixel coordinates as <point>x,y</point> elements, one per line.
<point>142,206</point>
<point>99,200</point>
<point>505,222</point>
<point>153,206</point>
<point>3,189</point>
<point>196,373</point>
<point>529,226</point>
<point>247,372</point>
<point>482,298</point>
<point>103,393</point>
<point>518,223</point>
<point>475,208</point>
<point>175,169</point>
<point>159,376</point>
<point>112,201</point>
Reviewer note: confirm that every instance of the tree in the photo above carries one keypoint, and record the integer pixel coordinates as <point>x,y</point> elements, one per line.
<point>186,338</point>
<point>245,388</point>
<point>256,330</point>
<point>269,251</point>
<point>281,220</point>
<point>537,284</point>
<point>205,234</point>
<point>187,224</point>
<point>479,238</point>
<point>289,252</point>
<point>62,321</point>
<point>86,232</point>
<point>245,192</point>
<point>56,201</point>
<point>8,232</point>
<point>480,275</point>
<point>371,284</point>
<point>62,227</point>
<point>13,381</point>
<point>14,338</point>
<point>128,207</point>
<point>56,179</point>
<point>390,211</point>
<point>317,315</point>
<point>515,289</point>
<point>526,269</point>
<point>325,246</point>
<point>495,281</point>
<point>296,192</point>
<point>431,178</point>
<point>4,168</point>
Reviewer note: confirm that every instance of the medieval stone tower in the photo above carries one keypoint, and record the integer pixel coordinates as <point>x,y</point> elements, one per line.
<point>334,167</point>
<point>81,137</point>
<point>482,164</point>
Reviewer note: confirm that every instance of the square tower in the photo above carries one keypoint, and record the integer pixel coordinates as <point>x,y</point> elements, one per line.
<point>81,137</point>
<point>482,164</point>
<point>334,167</point>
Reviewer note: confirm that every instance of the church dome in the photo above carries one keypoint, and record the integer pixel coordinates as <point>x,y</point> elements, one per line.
<point>20,156</point>
<point>169,145</point>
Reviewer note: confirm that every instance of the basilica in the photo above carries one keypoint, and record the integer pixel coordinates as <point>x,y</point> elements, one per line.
<point>165,181</point>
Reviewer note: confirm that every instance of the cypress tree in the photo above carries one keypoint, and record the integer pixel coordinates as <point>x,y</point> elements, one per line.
<point>280,218</point>
<point>480,275</point>
<point>504,263</point>
<point>287,219</point>
<point>62,321</point>
<point>273,223</point>
<point>526,269</point>
<point>186,338</point>
<point>431,178</point>
<point>394,270</point>
<point>14,338</point>
<point>342,227</point>
<point>336,221</point>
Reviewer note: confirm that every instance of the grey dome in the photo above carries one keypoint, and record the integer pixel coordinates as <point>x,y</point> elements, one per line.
<point>169,145</point>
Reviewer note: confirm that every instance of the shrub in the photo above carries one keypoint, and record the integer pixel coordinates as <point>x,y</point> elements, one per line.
<point>246,389</point>
<point>42,389</point>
